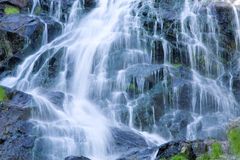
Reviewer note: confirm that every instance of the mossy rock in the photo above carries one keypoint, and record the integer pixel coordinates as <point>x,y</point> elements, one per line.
<point>11,10</point>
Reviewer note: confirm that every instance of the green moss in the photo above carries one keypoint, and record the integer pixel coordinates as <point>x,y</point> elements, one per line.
<point>177,65</point>
<point>3,95</point>
<point>38,10</point>
<point>133,88</point>
<point>11,10</point>
<point>217,151</point>
<point>179,157</point>
<point>234,140</point>
<point>204,157</point>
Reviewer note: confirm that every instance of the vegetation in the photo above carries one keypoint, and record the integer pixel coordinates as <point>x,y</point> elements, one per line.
<point>179,157</point>
<point>234,140</point>
<point>11,10</point>
<point>38,10</point>
<point>3,95</point>
<point>177,65</point>
<point>217,151</point>
<point>204,157</point>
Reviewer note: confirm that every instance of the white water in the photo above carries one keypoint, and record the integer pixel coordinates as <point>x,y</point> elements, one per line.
<point>80,127</point>
<point>93,97</point>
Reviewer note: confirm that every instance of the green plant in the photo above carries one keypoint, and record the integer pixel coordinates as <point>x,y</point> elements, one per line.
<point>179,157</point>
<point>217,151</point>
<point>11,10</point>
<point>234,140</point>
<point>204,157</point>
<point>3,95</point>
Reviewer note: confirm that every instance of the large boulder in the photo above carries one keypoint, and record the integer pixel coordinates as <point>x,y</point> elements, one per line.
<point>191,148</point>
<point>22,35</point>
<point>16,138</point>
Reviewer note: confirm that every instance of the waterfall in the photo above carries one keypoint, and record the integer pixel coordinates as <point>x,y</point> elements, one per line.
<point>110,69</point>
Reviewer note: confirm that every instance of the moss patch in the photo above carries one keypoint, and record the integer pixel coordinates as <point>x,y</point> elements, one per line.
<point>204,157</point>
<point>11,10</point>
<point>179,157</point>
<point>38,10</point>
<point>177,65</point>
<point>234,140</point>
<point>3,95</point>
<point>217,151</point>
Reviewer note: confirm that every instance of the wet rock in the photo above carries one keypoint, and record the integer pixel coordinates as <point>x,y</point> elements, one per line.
<point>191,149</point>
<point>22,35</point>
<point>18,3</point>
<point>131,145</point>
<point>76,158</point>
<point>90,3</point>
<point>143,154</point>
<point>54,28</point>
<point>127,140</point>
<point>16,138</point>
<point>226,21</point>
<point>23,6</point>
<point>236,87</point>
<point>174,125</point>
<point>65,7</point>
<point>234,124</point>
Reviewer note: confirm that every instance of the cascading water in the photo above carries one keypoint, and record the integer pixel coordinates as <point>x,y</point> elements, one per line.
<point>115,66</point>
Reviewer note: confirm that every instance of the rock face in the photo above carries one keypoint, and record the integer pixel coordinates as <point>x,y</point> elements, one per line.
<point>63,7</point>
<point>21,35</point>
<point>180,74</point>
<point>16,139</point>
<point>23,6</point>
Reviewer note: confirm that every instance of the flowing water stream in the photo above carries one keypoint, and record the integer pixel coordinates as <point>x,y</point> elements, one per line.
<point>98,69</point>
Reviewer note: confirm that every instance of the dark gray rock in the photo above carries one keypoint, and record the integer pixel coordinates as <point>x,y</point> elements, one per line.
<point>16,138</point>
<point>54,28</point>
<point>18,3</point>
<point>24,6</point>
<point>126,140</point>
<point>131,145</point>
<point>190,148</point>
<point>76,158</point>
<point>174,125</point>
<point>66,6</point>
<point>21,35</point>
